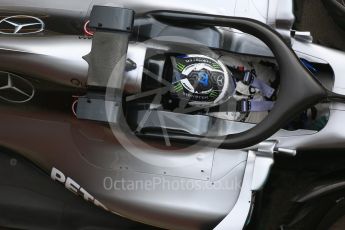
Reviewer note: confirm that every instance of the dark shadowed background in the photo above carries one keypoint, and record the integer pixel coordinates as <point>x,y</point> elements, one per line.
<point>312,16</point>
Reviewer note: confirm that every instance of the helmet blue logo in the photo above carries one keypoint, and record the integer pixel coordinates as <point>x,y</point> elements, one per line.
<point>203,78</point>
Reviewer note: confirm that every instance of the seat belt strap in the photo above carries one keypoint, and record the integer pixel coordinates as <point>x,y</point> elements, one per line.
<point>250,79</point>
<point>246,106</point>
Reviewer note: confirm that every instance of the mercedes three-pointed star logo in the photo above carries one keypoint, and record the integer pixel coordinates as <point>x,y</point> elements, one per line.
<point>15,89</point>
<point>220,80</point>
<point>21,24</point>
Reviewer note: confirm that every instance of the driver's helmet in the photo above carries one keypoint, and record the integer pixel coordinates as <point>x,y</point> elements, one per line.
<point>201,80</point>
